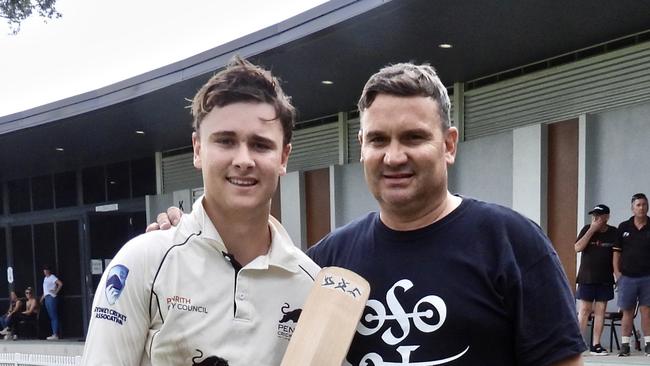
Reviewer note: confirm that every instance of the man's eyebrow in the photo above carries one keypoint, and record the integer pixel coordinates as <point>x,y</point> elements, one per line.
<point>371,134</point>
<point>223,134</point>
<point>262,139</point>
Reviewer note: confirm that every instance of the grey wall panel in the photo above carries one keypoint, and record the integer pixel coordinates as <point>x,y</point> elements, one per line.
<point>315,147</point>
<point>483,169</point>
<point>354,148</point>
<point>603,82</point>
<point>617,150</point>
<point>178,172</point>
<point>352,196</point>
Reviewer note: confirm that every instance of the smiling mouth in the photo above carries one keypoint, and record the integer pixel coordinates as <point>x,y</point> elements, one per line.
<point>242,182</point>
<point>397,175</point>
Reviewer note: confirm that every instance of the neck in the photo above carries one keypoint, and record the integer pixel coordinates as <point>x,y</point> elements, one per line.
<point>640,220</point>
<point>246,235</point>
<point>401,222</point>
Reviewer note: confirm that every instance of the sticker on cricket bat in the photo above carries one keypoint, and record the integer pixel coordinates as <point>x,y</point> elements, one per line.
<point>328,320</point>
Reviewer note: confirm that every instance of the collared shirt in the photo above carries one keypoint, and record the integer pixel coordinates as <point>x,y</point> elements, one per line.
<point>634,245</point>
<point>174,298</point>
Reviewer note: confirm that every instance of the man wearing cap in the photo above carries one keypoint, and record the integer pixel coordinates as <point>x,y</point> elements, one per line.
<point>595,279</point>
<point>632,271</point>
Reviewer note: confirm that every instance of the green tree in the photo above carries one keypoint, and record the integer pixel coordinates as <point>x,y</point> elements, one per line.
<point>15,11</point>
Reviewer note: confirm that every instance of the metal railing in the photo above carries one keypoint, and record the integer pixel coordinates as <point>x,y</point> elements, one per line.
<point>23,359</point>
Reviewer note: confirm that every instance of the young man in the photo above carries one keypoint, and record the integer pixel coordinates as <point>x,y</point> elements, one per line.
<point>448,274</point>
<point>595,276</point>
<point>632,271</point>
<point>215,289</point>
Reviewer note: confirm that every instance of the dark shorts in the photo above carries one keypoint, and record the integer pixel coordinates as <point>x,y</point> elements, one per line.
<point>595,292</point>
<point>633,289</point>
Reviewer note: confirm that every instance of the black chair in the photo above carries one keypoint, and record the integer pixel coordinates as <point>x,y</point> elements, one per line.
<point>612,320</point>
<point>27,328</point>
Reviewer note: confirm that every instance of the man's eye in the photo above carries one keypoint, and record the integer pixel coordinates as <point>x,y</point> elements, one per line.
<point>224,141</point>
<point>261,146</point>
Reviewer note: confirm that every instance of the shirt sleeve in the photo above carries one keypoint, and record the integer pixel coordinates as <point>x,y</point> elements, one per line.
<point>120,318</point>
<point>582,232</point>
<point>547,325</point>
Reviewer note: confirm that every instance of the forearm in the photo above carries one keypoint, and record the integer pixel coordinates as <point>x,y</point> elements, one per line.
<point>582,243</point>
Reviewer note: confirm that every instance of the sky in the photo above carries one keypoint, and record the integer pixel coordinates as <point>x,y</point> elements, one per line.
<point>98,42</point>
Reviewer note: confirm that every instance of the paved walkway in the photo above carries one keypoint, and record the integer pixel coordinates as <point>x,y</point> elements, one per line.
<point>636,358</point>
<point>75,348</point>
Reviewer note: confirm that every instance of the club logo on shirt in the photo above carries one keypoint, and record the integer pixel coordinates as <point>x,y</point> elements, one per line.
<point>626,234</point>
<point>208,361</point>
<point>287,324</point>
<point>115,282</point>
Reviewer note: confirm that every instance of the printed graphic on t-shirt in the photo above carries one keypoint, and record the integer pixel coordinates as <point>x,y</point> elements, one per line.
<point>115,282</point>
<point>184,304</point>
<point>208,361</point>
<point>289,320</point>
<point>396,323</point>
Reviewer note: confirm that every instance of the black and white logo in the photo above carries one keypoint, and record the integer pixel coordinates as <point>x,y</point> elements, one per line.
<point>287,324</point>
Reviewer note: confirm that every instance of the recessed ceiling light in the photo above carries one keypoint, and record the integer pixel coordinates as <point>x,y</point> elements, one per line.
<point>327,82</point>
<point>139,132</point>
<point>445,45</point>
<point>112,182</point>
<point>59,149</point>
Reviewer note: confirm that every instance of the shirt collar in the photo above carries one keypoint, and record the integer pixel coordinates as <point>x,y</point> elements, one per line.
<point>282,252</point>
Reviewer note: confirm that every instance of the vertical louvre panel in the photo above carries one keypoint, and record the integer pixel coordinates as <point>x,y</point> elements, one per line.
<point>354,148</point>
<point>314,147</point>
<point>178,172</point>
<point>603,82</point>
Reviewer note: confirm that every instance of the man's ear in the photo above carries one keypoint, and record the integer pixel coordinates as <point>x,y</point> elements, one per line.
<point>286,150</point>
<point>196,146</point>
<point>451,144</point>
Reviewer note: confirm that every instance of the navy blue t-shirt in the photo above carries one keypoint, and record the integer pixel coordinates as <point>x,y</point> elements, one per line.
<point>482,286</point>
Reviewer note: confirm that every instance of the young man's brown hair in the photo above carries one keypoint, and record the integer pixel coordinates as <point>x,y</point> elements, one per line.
<point>241,81</point>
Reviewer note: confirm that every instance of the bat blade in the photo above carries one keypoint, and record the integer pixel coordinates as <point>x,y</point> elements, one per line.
<point>328,320</point>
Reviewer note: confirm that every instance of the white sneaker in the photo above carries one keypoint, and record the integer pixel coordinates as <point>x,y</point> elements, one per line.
<point>7,337</point>
<point>53,337</point>
<point>15,337</point>
<point>4,331</point>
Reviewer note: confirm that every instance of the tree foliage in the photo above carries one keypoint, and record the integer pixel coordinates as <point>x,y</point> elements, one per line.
<point>15,11</point>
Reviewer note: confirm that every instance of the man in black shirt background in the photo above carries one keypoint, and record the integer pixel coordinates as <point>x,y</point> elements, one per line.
<point>595,279</point>
<point>632,271</point>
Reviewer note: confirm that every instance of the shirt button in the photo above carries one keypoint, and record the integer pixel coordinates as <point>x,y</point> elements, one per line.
<point>242,296</point>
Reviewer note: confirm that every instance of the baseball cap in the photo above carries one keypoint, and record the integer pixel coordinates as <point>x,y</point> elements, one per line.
<point>599,210</point>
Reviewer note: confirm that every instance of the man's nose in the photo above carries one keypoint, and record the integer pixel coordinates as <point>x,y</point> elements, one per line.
<point>395,154</point>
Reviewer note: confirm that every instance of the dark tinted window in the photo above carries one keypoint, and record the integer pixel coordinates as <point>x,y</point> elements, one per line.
<point>67,235</point>
<point>21,237</point>
<point>42,193</point>
<point>143,177</point>
<point>4,288</point>
<point>118,183</point>
<point>19,196</point>
<point>44,247</point>
<point>65,189</point>
<point>94,181</point>
<point>2,205</point>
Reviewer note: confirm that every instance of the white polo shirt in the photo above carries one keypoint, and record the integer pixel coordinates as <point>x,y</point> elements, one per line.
<point>173,298</point>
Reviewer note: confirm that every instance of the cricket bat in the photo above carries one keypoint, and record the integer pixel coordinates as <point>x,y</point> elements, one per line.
<point>328,320</point>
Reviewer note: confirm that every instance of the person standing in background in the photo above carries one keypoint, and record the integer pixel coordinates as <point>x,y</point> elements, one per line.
<point>632,271</point>
<point>595,276</point>
<point>51,287</point>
